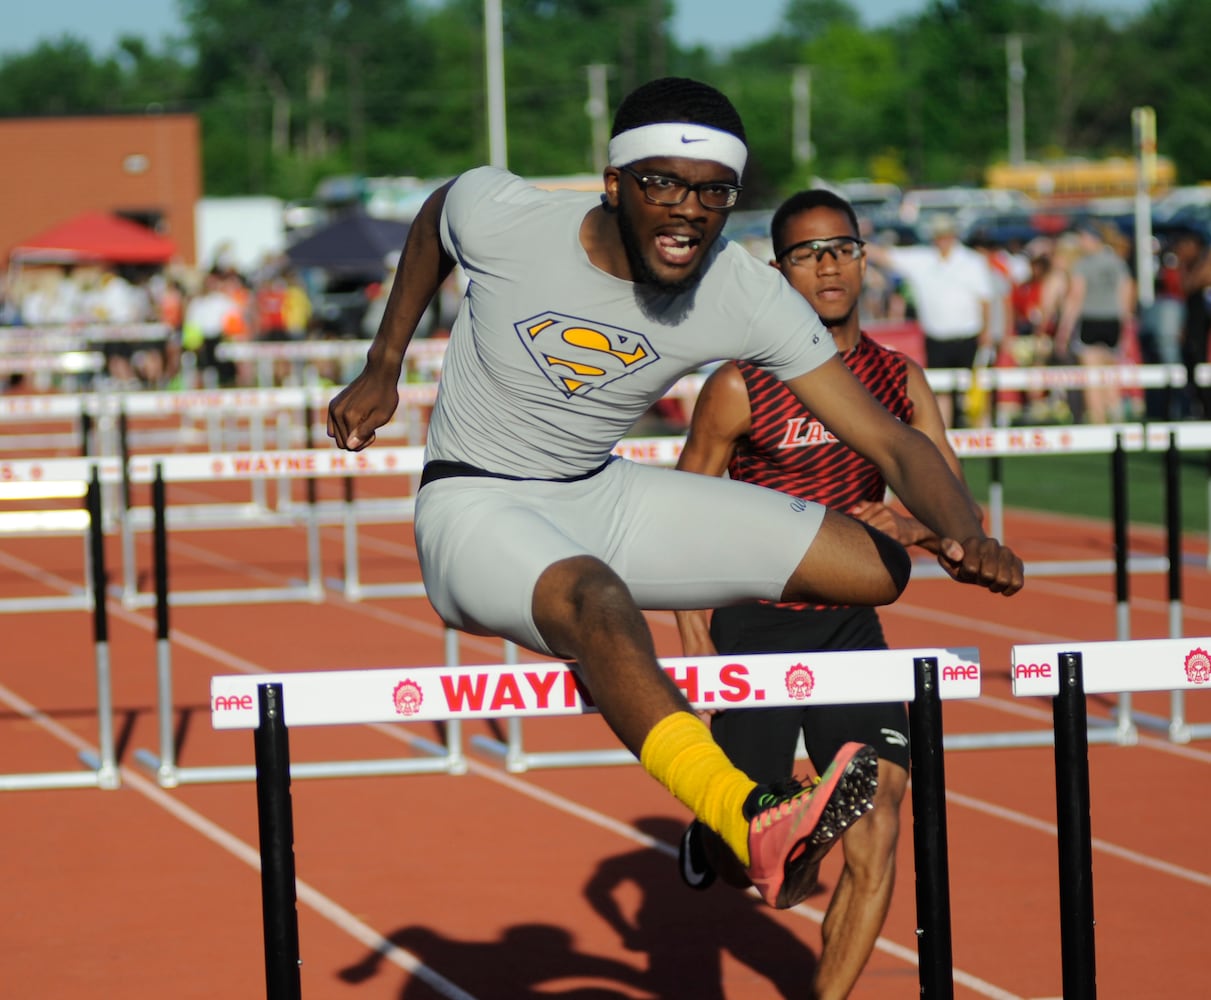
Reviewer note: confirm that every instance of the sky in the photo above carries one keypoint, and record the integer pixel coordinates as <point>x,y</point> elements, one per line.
<point>716,24</point>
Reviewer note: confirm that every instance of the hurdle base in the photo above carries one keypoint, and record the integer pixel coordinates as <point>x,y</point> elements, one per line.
<point>105,774</point>
<point>167,775</point>
<point>52,780</point>
<point>1108,733</point>
<point>1187,733</point>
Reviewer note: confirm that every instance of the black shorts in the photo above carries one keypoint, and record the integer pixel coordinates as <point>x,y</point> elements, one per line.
<point>1101,331</point>
<point>957,353</point>
<point>762,741</point>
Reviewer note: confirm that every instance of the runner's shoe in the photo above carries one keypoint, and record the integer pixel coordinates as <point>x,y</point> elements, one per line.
<point>792,828</point>
<point>696,870</point>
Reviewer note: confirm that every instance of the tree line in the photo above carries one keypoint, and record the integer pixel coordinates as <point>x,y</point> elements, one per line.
<point>292,91</point>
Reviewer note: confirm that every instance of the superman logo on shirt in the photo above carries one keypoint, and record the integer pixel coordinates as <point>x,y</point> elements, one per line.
<point>578,356</point>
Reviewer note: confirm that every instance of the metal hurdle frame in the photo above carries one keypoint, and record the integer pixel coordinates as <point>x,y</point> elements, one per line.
<point>101,767</point>
<point>230,466</point>
<point>49,479</point>
<point>436,758</point>
<point>257,511</point>
<point>433,758</point>
<point>50,407</point>
<point>269,704</point>
<point>1067,672</point>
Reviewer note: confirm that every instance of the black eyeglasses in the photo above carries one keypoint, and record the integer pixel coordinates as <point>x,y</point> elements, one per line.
<point>842,248</point>
<point>661,190</point>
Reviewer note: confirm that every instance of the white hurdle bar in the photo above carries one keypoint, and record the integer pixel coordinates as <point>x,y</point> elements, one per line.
<point>1067,673</point>
<point>50,479</point>
<point>1177,665</point>
<point>959,670</point>
<point>524,690</point>
<point>271,703</point>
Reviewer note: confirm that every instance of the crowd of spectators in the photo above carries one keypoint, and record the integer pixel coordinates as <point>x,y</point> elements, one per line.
<point>156,328</point>
<point>1037,291</point>
<point>1071,298</point>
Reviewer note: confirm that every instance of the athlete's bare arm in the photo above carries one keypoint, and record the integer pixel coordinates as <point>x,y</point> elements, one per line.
<point>722,416</point>
<point>369,400</point>
<point>927,418</point>
<point>915,470</point>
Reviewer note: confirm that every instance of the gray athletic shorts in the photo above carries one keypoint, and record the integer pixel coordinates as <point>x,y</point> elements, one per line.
<point>679,540</point>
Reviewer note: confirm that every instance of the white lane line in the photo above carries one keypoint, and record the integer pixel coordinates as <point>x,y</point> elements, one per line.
<point>327,908</point>
<point>1042,826</point>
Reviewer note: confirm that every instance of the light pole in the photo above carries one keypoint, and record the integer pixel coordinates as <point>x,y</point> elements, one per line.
<point>494,65</point>
<point>1143,128</point>
<point>596,107</point>
<point>1016,76</point>
<point>801,117</point>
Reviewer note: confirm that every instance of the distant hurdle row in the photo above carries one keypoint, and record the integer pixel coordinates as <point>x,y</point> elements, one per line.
<point>160,471</point>
<point>1064,672</point>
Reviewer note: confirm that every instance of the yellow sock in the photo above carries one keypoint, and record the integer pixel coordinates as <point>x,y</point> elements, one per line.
<point>680,753</point>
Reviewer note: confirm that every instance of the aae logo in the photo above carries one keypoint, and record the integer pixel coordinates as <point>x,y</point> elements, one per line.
<point>579,356</point>
<point>800,682</point>
<point>408,697</point>
<point>1198,666</point>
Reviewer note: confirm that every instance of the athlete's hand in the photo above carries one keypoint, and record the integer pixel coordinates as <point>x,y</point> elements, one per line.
<point>905,530</point>
<point>362,407</point>
<point>983,561</point>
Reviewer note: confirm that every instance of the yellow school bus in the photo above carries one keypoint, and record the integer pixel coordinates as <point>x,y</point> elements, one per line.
<point>1078,179</point>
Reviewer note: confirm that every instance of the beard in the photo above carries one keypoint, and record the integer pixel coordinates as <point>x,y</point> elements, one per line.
<point>641,270</point>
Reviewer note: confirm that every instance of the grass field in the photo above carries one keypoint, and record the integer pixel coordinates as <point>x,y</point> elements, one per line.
<point>1082,485</point>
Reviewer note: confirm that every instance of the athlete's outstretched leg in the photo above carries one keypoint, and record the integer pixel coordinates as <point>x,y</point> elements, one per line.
<point>584,611</point>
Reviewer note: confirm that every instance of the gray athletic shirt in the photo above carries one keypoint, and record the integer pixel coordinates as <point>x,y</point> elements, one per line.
<point>551,360</point>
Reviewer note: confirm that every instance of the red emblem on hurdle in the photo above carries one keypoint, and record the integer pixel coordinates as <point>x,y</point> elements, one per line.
<point>408,697</point>
<point>1198,666</point>
<point>800,681</point>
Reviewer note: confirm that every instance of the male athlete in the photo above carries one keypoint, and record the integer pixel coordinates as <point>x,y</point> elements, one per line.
<point>580,312</point>
<point>748,424</point>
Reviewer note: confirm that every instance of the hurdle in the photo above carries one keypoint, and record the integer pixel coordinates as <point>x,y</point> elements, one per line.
<point>270,704</point>
<point>1067,672</point>
<point>101,768</point>
<point>431,758</point>
<point>26,481</point>
<point>45,408</point>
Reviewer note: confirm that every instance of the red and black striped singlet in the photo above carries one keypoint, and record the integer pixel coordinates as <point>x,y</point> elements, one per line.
<point>787,449</point>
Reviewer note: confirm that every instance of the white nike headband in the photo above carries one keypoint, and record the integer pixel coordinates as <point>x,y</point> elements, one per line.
<point>695,142</point>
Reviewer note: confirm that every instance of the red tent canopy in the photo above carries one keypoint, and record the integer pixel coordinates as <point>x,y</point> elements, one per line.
<point>96,236</point>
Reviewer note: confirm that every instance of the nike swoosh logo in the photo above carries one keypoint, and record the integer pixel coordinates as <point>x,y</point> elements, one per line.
<point>688,140</point>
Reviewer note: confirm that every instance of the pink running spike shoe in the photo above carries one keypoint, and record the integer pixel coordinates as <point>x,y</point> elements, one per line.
<point>797,826</point>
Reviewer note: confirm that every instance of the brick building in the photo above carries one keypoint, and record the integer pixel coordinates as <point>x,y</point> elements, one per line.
<point>143,167</point>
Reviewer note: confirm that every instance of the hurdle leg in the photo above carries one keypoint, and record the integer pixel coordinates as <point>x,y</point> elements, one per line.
<point>1125,727</point>
<point>1075,832</point>
<point>1179,728</point>
<point>353,585</point>
<point>164,765</point>
<point>105,762</point>
<point>278,894</point>
<point>934,952</point>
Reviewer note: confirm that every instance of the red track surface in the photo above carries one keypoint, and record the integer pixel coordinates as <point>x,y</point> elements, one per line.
<point>553,883</point>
